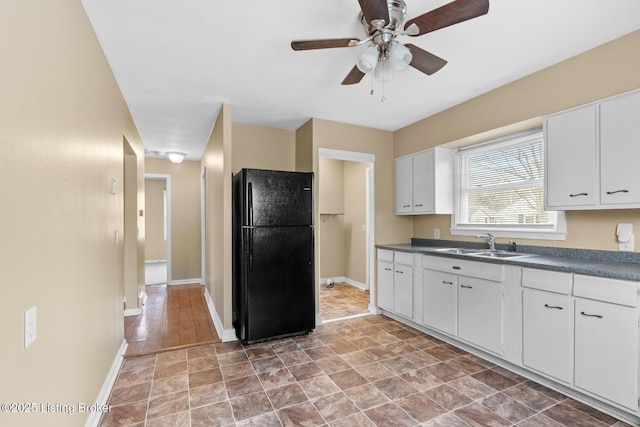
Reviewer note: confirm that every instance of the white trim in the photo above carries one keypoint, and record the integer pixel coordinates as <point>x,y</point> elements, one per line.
<point>196,281</point>
<point>353,316</point>
<point>370,213</point>
<point>154,261</point>
<point>132,312</point>
<point>225,335</point>
<point>319,320</point>
<point>167,179</point>
<point>344,279</point>
<point>203,226</point>
<point>107,386</point>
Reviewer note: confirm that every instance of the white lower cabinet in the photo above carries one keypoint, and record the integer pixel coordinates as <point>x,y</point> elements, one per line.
<point>439,304</point>
<point>546,333</point>
<point>385,285</point>
<point>480,313</point>
<point>606,351</point>
<point>403,290</point>
<point>395,282</point>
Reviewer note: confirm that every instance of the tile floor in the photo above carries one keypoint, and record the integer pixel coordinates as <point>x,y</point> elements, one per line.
<point>369,371</point>
<point>342,300</point>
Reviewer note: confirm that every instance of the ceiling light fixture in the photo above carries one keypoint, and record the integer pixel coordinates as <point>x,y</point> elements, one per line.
<point>176,157</point>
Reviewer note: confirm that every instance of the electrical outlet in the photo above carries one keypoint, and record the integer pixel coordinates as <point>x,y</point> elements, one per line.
<point>30,326</point>
<point>436,233</point>
<point>627,246</point>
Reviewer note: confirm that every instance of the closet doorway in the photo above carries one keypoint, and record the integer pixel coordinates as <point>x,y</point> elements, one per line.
<point>345,233</point>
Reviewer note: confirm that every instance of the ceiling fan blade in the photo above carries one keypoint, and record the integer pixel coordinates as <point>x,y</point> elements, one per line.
<point>449,14</point>
<point>323,43</point>
<point>424,61</point>
<point>375,10</point>
<point>354,76</point>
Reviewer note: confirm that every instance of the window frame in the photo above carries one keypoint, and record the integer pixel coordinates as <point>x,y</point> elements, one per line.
<point>528,231</point>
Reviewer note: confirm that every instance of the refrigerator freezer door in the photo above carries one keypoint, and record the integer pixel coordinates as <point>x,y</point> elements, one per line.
<point>277,198</point>
<point>279,282</point>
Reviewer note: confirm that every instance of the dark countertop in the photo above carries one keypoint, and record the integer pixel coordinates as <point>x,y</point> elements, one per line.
<point>609,264</point>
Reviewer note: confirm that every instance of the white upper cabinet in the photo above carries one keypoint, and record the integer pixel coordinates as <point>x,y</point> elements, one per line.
<point>591,154</point>
<point>620,150</point>
<point>424,182</point>
<point>570,155</point>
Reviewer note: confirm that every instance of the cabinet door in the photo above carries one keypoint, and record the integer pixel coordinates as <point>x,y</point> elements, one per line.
<point>423,182</point>
<point>439,303</point>
<point>385,285</point>
<point>620,150</point>
<point>570,156</point>
<point>547,340</point>
<point>480,313</point>
<point>403,290</point>
<point>403,184</point>
<point>606,351</point>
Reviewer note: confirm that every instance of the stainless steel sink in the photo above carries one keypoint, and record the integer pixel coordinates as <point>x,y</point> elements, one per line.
<point>498,254</point>
<point>464,251</point>
<point>481,253</point>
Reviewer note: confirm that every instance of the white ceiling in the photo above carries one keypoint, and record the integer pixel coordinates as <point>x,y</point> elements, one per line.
<point>177,61</point>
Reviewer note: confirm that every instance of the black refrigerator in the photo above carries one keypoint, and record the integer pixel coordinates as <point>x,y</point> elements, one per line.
<point>273,254</point>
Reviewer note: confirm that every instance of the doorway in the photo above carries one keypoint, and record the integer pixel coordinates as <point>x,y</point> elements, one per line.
<point>346,233</point>
<point>157,229</point>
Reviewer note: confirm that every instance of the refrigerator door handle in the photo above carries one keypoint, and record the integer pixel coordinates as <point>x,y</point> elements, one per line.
<point>250,221</point>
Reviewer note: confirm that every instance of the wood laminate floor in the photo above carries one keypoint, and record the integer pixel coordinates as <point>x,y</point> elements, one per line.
<point>173,317</point>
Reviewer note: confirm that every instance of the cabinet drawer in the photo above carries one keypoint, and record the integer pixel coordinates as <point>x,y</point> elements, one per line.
<point>405,258</point>
<point>551,281</point>
<point>607,290</point>
<point>463,267</point>
<point>385,255</point>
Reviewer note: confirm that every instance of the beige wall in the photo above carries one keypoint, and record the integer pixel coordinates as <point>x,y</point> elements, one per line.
<point>355,208</point>
<point>260,147</point>
<point>216,160</point>
<point>607,70</point>
<point>331,229</point>
<point>155,246</point>
<point>61,132</point>
<point>186,255</point>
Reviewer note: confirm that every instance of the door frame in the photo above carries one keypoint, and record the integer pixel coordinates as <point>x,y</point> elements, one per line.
<point>167,179</point>
<point>353,156</point>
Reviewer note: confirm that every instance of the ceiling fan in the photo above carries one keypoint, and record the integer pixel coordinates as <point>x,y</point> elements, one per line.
<point>382,21</point>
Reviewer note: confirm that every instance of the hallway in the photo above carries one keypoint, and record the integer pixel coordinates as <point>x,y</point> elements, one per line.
<point>173,317</point>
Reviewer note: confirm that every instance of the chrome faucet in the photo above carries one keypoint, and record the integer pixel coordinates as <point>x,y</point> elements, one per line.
<point>489,238</point>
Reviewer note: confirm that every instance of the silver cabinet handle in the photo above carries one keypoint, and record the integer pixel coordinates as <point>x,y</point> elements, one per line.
<point>578,194</point>
<point>418,206</point>
<point>456,267</point>
<point>401,272</point>
<point>466,286</point>
<point>447,283</point>
<point>599,316</point>
<point>387,269</point>
<point>406,206</point>
<point>553,306</point>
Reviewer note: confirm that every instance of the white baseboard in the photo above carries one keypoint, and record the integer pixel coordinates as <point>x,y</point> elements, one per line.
<point>225,335</point>
<point>132,312</point>
<point>154,261</point>
<point>196,281</point>
<point>105,391</point>
<point>344,279</point>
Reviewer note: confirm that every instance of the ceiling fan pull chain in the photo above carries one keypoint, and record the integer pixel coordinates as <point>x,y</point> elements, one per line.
<point>372,91</point>
<point>383,99</point>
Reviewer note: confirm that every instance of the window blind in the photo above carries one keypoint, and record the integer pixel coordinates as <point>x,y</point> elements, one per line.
<point>501,184</point>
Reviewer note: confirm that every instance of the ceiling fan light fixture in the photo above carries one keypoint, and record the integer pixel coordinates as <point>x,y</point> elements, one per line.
<point>399,56</point>
<point>176,157</point>
<point>383,70</point>
<point>368,59</point>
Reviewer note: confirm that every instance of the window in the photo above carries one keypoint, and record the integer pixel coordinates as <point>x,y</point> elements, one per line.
<point>500,189</point>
